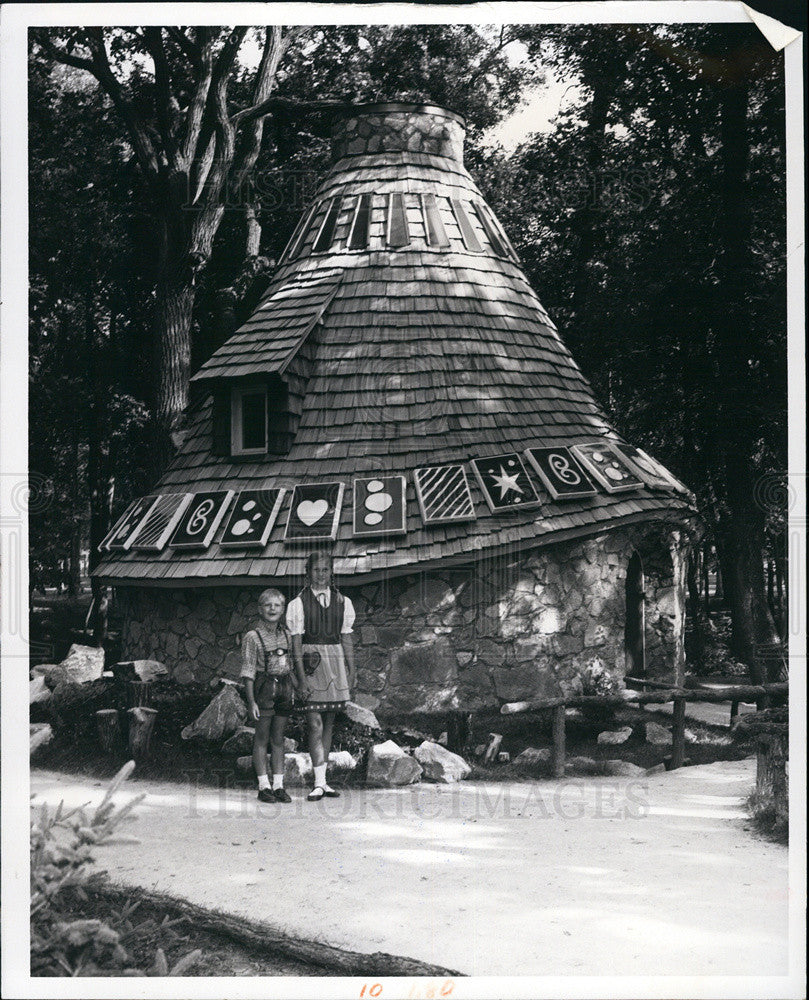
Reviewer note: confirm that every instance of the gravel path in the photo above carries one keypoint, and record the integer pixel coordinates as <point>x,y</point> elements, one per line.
<point>589,877</point>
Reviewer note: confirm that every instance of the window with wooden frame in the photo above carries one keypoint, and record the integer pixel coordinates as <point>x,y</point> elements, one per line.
<point>248,420</point>
<point>252,419</point>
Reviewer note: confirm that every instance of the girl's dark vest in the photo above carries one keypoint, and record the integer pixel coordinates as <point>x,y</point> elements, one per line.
<point>322,626</point>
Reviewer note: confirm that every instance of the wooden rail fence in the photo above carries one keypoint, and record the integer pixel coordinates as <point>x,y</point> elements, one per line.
<point>734,693</point>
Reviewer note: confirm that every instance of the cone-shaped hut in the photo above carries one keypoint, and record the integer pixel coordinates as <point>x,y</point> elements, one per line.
<point>401,397</point>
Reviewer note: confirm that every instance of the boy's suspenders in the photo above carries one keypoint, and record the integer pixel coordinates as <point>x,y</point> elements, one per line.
<point>264,648</point>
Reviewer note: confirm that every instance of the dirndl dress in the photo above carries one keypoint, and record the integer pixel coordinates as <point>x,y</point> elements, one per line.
<point>323,659</point>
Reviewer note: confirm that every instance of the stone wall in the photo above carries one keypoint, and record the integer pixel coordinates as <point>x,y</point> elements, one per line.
<point>498,630</point>
<point>398,131</point>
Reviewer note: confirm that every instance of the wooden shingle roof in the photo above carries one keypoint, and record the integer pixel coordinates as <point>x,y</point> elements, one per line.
<point>419,355</point>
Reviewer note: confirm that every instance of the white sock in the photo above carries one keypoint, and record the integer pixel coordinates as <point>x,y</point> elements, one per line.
<point>263,782</point>
<point>277,781</point>
<point>320,775</point>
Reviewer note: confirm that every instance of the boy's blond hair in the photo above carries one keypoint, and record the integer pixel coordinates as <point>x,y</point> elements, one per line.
<point>271,592</point>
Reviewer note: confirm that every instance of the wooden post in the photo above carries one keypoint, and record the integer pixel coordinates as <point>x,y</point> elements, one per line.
<point>734,711</point>
<point>490,754</point>
<point>559,741</point>
<point>140,693</point>
<point>141,724</point>
<point>108,724</point>
<point>678,734</point>
<point>459,729</point>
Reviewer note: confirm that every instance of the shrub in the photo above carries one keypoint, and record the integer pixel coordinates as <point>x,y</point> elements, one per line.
<point>597,680</point>
<point>61,946</point>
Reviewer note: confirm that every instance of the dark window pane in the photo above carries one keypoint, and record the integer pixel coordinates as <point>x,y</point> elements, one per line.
<point>358,238</point>
<point>300,234</point>
<point>254,420</point>
<point>398,235</point>
<point>470,240</point>
<point>436,234</point>
<point>494,237</point>
<point>326,235</point>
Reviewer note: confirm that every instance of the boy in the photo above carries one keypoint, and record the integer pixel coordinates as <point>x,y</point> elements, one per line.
<point>267,675</point>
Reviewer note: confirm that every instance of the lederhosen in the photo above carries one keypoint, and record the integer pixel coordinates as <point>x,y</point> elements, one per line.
<point>274,692</point>
<point>323,658</point>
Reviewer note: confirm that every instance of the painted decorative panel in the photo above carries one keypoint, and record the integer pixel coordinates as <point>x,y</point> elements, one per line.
<point>252,518</point>
<point>443,494</point>
<point>155,530</point>
<point>120,538</point>
<point>314,512</point>
<point>202,517</point>
<point>505,483</point>
<point>379,506</point>
<point>561,472</point>
<point>612,472</point>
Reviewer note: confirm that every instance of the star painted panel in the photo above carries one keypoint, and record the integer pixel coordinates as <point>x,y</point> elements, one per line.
<point>156,528</point>
<point>561,472</point>
<point>443,494</point>
<point>314,512</point>
<point>612,472</point>
<point>202,517</point>
<point>649,468</point>
<point>505,483</point>
<point>252,518</point>
<point>379,506</point>
<point>122,535</point>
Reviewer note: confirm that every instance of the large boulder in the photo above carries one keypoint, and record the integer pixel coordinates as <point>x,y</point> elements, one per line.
<point>657,735</point>
<point>439,764</point>
<point>615,737</point>
<point>146,670</point>
<point>389,766</point>
<point>361,716</point>
<point>226,712</point>
<point>240,742</point>
<point>83,663</point>
<point>39,733</point>
<point>38,691</point>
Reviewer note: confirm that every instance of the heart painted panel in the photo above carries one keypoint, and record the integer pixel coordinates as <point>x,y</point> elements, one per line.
<point>315,512</point>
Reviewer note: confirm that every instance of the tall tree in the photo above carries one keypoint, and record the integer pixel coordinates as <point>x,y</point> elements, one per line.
<point>191,148</point>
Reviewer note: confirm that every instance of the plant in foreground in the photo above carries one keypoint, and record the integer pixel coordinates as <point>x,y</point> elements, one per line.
<point>61,853</point>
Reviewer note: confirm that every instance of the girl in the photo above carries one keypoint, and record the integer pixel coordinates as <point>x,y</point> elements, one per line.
<point>320,621</point>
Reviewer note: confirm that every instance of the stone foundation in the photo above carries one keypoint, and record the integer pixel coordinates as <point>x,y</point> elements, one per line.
<point>473,637</point>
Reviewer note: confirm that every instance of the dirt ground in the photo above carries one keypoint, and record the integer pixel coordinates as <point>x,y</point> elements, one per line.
<point>659,875</point>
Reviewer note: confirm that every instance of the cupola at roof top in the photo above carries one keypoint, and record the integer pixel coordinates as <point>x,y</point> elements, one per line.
<point>396,128</point>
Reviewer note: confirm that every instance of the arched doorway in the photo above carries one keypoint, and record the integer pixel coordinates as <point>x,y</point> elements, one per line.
<point>635,625</point>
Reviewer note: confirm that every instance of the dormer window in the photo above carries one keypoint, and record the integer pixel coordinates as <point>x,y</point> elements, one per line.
<point>252,419</point>
<point>248,421</point>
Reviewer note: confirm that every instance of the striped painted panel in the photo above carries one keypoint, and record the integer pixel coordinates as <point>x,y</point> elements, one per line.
<point>468,234</point>
<point>296,241</point>
<point>398,235</point>
<point>443,494</point>
<point>434,227</point>
<point>163,518</point>
<point>121,537</point>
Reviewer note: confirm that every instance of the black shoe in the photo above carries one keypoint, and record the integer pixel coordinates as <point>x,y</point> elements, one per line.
<point>281,795</point>
<point>330,793</point>
<point>266,795</point>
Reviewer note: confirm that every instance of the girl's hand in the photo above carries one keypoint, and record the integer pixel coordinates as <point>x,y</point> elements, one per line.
<point>255,711</point>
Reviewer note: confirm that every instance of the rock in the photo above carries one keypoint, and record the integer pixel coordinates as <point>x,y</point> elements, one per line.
<point>240,742</point>
<point>245,763</point>
<point>503,757</point>
<point>389,766</point>
<point>226,712</point>
<point>532,756</point>
<point>439,764</point>
<point>480,750</point>
<point>39,733</point>
<point>657,769</point>
<point>297,770</point>
<point>341,760</point>
<point>54,674</point>
<point>583,765</point>
<point>38,691</point>
<point>83,663</point>
<point>361,716</point>
<point>443,739</point>
<point>657,735</point>
<point>623,769</point>
<point>290,745</point>
<point>616,737</point>
<point>147,670</point>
